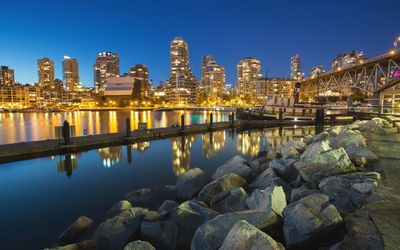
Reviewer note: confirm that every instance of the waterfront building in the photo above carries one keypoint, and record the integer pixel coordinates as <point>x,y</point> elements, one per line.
<point>71,73</point>
<point>106,66</point>
<point>46,72</point>
<point>119,90</point>
<point>6,76</point>
<point>212,77</point>
<point>295,68</point>
<point>260,87</point>
<point>159,94</point>
<point>181,87</point>
<point>347,59</point>
<point>248,71</point>
<point>141,87</point>
<point>280,87</point>
<point>317,70</point>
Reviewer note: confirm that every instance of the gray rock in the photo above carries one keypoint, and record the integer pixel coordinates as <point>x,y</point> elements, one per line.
<point>270,198</point>
<point>237,165</point>
<point>360,156</point>
<point>308,139</point>
<point>268,178</point>
<point>220,185</point>
<point>117,208</point>
<point>168,206</point>
<point>308,219</point>
<point>244,236</point>
<point>211,234</point>
<point>233,200</point>
<point>151,198</point>
<point>272,154</point>
<point>154,215</point>
<point>190,183</point>
<point>333,142</point>
<point>315,148</point>
<point>203,209</point>
<point>321,136</point>
<point>115,232</point>
<point>83,245</point>
<point>258,165</point>
<point>285,169</point>
<point>334,131</point>
<point>161,234</point>
<point>330,163</point>
<point>289,152</point>
<point>139,245</point>
<point>74,231</point>
<point>349,192</point>
<point>301,192</point>
<point>298,145</point>
<point>348,137</point>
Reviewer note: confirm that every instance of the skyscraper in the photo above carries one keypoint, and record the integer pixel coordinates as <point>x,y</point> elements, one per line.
<point>6,76</point>
<point>70,73</point>
<point>248,71</point>
<point>46,72</point>
<point>212,77</point>
<point>141,85</point>
<point>181,86</point>
<point>106,66</point>
<point>295,68</point>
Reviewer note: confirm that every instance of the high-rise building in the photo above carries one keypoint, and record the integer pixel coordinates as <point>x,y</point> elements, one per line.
<point>295,68</point>
<point>46,72</point>
<point>106,66</point>
<point>347,59</point>
<point>317,70</point>
<point>181,87</point>
<point>248,71</point>
<point>212,77</point>
<point>141,85</point>
<point>280,87</point>
<point>6,76</point>
<point>70,73</point>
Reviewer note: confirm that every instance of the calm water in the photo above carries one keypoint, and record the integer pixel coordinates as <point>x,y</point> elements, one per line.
<point>39,198</point>
<point>19,127</point>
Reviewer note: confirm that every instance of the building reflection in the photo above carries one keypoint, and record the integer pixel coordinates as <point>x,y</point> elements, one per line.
<point>248,143</point>
<point>181,153</point>
<point>212,143</point>
<point>67,163</point>
<point>110,156</point>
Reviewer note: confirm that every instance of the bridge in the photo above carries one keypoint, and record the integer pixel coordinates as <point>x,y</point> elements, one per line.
<point>377,78</point>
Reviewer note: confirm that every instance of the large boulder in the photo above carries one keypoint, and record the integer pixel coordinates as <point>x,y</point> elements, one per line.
<point>301,192</point>
<point>360,156</point>
<point>74,231</point>
<point>321,136</point>
<point>190,183</point>
<point>270,198</point>
<point>244,236</point>
<point>330,163</point>
<point>225,183</point>
<point>289,152</point>
<point>167,206</point>
<point>308,219</point>
<point>115,232</point>
<point>211,234</point>
<point>315,148</point>
<point>334,131</point>
<point>298,145</point>
<point>151,198</point>
<point>117,208</point>
<point>237,165</point>
<point>161,234</point>
<point>285,169</point>
<point>139,245</point>
<point>233,200</point>
<point>348,192</point>
<point>348,137</point>
<point>268,178</point>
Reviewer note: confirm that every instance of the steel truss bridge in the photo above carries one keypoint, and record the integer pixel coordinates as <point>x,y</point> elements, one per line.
<point>375,76</point>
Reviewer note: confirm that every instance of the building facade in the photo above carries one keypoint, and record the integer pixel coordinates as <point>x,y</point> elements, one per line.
<point>6,76</point>
<point>347,59</point>
<point>119,90</point>
<point>212,77</point>
<point>317,70</point>
<point>70,73</point>
<point>106,66</point>
<point>280,87</point>
<point>295,68</point>
<point>46,72</point>
<point>181,87</point>
<point>248,71</point>
<point>141,85</point>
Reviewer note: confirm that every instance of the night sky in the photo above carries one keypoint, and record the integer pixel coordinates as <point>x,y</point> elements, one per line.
<point>141,31</point>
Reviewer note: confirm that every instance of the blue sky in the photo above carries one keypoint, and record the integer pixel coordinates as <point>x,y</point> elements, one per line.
<point>141,31</point>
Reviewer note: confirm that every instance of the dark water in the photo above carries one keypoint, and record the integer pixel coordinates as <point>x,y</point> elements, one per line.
<point>39,198</point>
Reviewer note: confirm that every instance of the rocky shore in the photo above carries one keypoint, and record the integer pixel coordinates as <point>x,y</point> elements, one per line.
<point>308,194</point>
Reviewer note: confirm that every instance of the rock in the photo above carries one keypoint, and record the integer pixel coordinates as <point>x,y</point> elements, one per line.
<point>308,139</point>
<point>190,183</point>
<point>151,198</point>
<point>349,192</point>
<point>289,152</point>
<point>237,165</point>
<point>161,234</point>
<point>272,154</point>
<point>220,185</point>
<point>362,233</point>
<point>115,232</point>
<point>268,178</point>
<point>350,138</point>
<point>330,163</point>
<point>333,142</point>
<point>258,165</point>
<point>315,148</point>
<point>374,126</point>
<point>298,145</point>
<point>270,198</point>
<point>168,206</point>
<point>118,208</point>
<point>285,169</point>
<point>334,131</point>
<point>308,219</point>
<point>139,245</point>
<point>301,192</point>
<point>211,234</point>
<point>320,137</point>
<point>244,236</point>
<point>154,215</point>
<point>202,209</point>
<point>233,200</point>
<point>74,231</point>
<point>83,245</point>
<point>360,156</point>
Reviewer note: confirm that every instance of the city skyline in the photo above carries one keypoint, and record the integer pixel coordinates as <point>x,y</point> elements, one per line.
<point>269,38</point>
